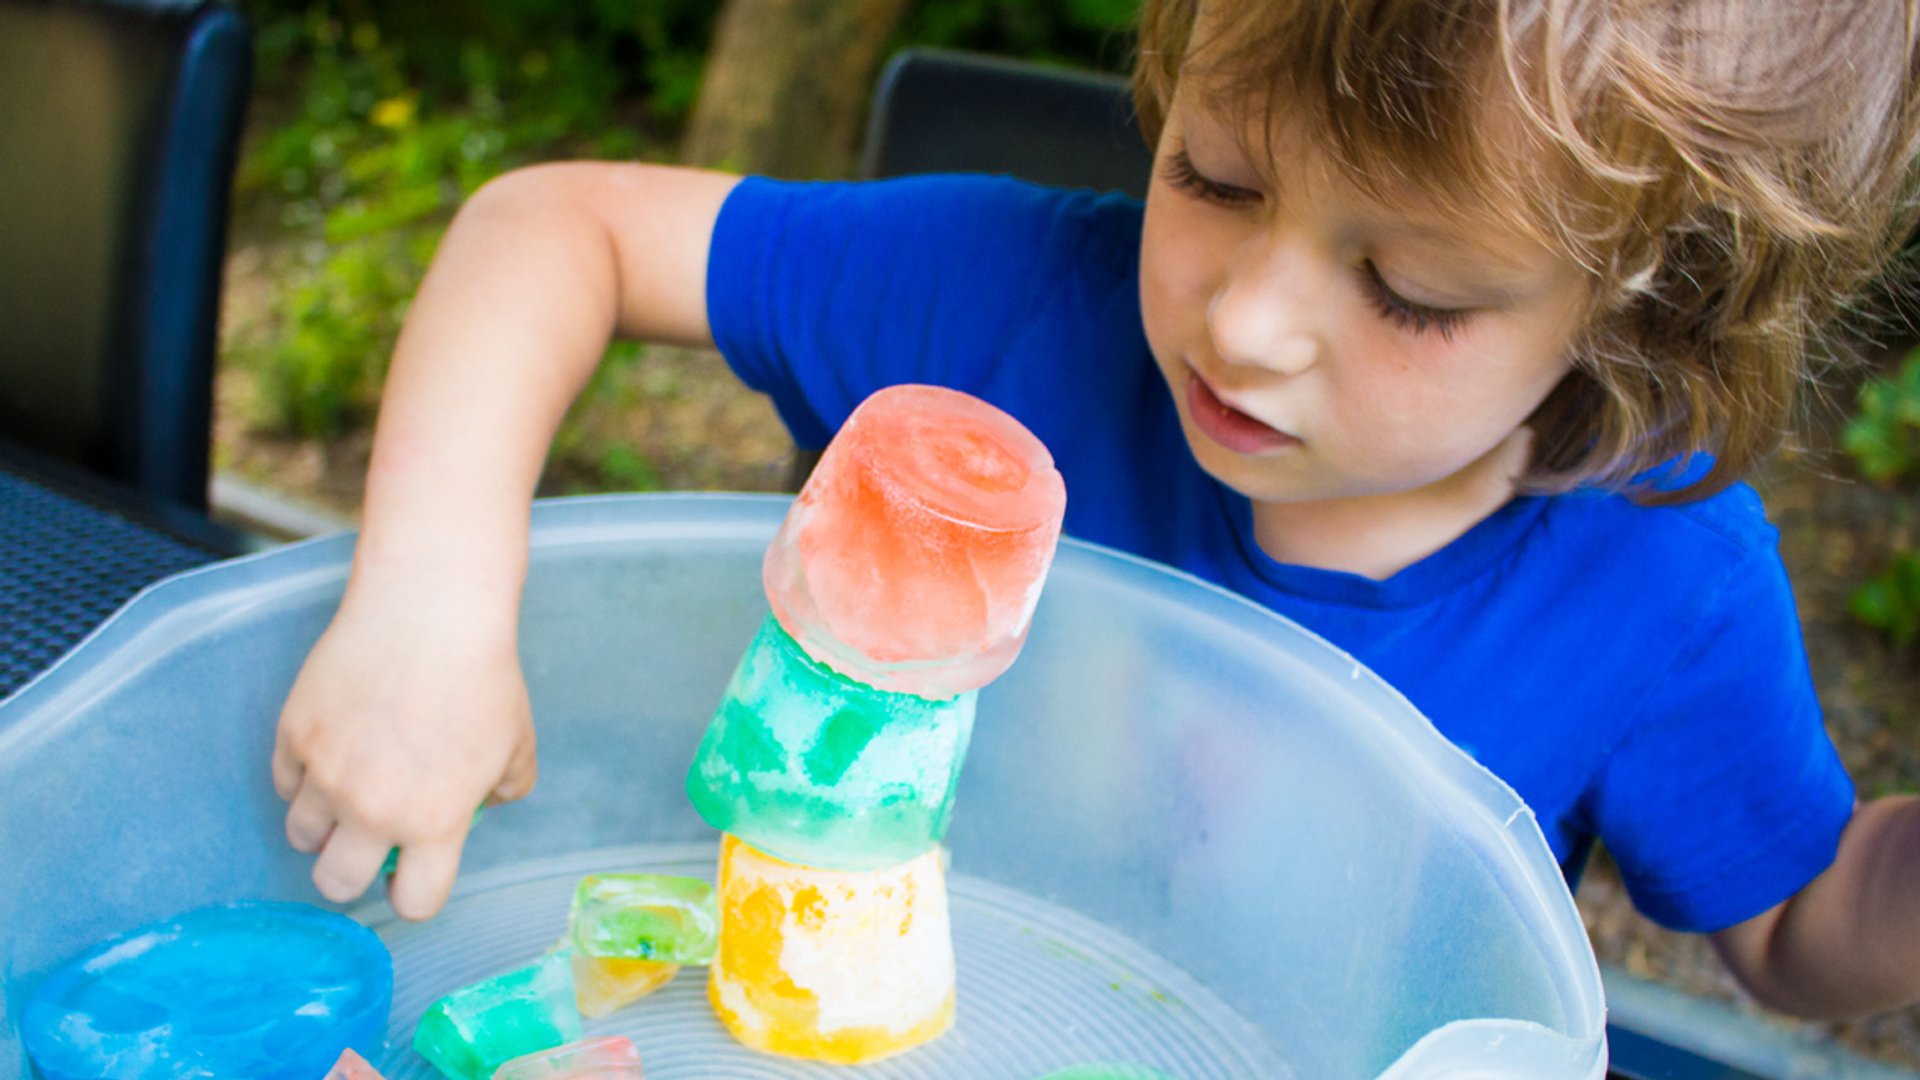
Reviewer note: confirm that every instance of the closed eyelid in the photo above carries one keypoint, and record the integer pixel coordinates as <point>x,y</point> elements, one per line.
<point>1408,314</point>
<point>1466,289</point>
<point>1436,299</point>
<point>1180,171</point>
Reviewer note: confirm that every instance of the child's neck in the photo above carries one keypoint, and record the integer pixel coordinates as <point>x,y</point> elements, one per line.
<point>1377,536</point>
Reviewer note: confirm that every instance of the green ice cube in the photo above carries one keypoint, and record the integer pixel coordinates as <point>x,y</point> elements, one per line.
<point>675,920</point>
<point>476,1029</point>
<point>816,768</point>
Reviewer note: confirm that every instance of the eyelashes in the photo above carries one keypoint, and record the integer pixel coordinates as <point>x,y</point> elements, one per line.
<point>1408,315</point>
<point>1179,172</point>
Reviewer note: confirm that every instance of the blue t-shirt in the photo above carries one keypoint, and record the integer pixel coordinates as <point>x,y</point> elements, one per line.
<point>1635,673</point>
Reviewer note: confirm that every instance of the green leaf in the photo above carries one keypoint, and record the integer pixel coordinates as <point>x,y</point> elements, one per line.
<point>1873,604</point>
<point>624,467</point>
<point>1890,601</point>
<point>1883,438</point>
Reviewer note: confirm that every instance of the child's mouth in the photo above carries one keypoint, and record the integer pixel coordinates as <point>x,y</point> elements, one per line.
<point>1228,426</point>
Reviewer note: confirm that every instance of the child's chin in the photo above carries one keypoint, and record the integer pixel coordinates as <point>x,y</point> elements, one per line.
<point>1245,476</point>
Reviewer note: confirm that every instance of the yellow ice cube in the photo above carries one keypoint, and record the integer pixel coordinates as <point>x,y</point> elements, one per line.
<point>834,965</point>
<point>603,984</point>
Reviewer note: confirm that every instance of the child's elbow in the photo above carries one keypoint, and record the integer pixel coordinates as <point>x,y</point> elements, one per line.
<point>1792,962</point>
<point>528,189</point>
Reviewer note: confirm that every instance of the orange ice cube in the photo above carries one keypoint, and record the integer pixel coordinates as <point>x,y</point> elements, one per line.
<point>914,556</point>
<point>352,1066</point>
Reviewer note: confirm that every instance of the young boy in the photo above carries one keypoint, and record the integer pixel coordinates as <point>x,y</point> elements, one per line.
<point>1446,330</point>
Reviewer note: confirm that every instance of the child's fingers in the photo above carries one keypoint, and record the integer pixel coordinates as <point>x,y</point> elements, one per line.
<point>420,886</point>
<point>349,863</point>
<point>310,819</point>
<point>522,770</point>
<point>287,770</point>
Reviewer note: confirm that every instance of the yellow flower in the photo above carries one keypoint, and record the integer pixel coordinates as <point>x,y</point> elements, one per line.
<point>394,112</point>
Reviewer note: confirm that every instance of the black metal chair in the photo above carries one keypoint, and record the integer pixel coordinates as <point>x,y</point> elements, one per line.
<point>119,126</point>
<point>938,110</point>
<point>942,110</point>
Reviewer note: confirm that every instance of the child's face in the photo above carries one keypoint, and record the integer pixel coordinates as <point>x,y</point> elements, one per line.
<point>1320,345</point>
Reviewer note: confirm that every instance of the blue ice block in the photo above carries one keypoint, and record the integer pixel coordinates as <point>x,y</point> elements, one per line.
<point>273,991</point>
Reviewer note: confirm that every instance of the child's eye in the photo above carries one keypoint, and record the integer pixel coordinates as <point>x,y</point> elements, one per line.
<point>1418,318</point>
<point>1179,172</point>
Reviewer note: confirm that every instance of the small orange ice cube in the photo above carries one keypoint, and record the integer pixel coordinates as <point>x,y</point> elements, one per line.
<point>352,1066</point>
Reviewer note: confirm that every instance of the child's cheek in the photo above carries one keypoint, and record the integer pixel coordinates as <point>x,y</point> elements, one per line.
<point>1178,265</point>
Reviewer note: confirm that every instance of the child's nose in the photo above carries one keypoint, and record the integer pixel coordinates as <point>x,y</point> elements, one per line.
<point>1262,316</point>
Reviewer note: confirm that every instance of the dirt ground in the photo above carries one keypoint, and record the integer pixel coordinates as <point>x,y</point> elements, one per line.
<point>700,430</point>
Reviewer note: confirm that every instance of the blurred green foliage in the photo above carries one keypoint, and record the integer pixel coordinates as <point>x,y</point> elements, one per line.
<point>1080,33</point>
<point>374,121</point>
<point>1890,602</point>
<point>379,131</point>
<point>1883,438</point>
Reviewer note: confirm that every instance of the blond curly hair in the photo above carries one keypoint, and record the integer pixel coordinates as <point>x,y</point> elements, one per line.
<point>1734,175</point>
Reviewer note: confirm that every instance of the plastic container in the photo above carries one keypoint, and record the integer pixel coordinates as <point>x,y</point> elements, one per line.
<point>1280,847</point>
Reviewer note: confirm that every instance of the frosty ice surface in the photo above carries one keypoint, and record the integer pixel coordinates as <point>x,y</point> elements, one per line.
<point>818,769</point>
<point>477,1028</point>
<point>838,966</point>
<point>352,1066</point>
<point>609,1058</point>
<point>272,991</point>
<point>606,984</point>
<point>645,917</point>
<point>914,556</point>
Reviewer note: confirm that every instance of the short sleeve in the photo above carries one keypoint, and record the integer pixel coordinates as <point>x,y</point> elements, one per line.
<point>819,294</point>
<point>1726,795</point>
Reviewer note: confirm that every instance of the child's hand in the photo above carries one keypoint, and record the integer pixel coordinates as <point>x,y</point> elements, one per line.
<point>406,716</point>
<point>411,709</point>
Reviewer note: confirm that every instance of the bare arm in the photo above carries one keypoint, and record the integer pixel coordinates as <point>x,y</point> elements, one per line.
<point>1849,943</point>
<point>538,271</point>
<point>411,709</point>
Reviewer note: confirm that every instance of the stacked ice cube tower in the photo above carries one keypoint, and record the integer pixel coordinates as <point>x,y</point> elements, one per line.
<point>902,580</point>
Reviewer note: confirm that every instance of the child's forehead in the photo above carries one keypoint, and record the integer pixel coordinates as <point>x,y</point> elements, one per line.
<point>1378,109</point>
<point>1405,196</point>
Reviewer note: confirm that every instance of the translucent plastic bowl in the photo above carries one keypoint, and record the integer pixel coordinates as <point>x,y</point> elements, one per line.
<point>1189,833</point>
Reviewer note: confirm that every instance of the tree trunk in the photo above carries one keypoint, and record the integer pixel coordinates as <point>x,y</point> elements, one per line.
<point>786,86</point>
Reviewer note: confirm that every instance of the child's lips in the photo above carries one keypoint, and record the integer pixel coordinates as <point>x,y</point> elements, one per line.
<point>1228,426</point>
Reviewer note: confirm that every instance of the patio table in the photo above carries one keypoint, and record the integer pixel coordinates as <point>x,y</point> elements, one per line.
<point>73,549</point>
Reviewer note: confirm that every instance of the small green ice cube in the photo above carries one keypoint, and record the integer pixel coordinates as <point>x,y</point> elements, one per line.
<point>674,920</point>
<point>1110,1070</point>
<point>474,1030</point>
